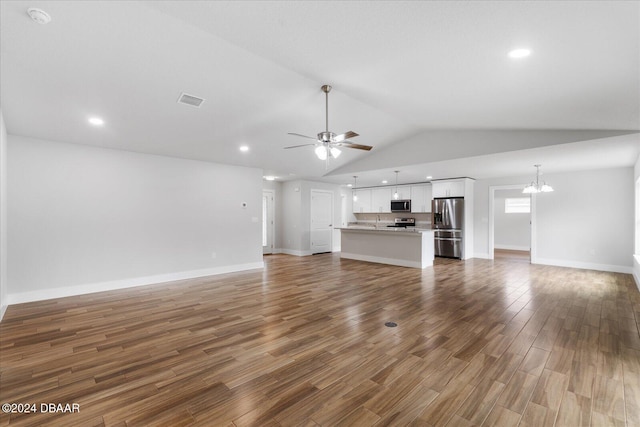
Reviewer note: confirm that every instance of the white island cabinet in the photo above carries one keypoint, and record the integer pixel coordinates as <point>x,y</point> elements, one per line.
<point>395,246</point>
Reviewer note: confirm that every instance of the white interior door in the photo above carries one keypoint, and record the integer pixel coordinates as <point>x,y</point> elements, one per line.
<point>321,221</point>
<point>267,221</point>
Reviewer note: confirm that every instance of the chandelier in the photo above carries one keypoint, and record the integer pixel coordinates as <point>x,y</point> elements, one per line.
<point>535,187</point>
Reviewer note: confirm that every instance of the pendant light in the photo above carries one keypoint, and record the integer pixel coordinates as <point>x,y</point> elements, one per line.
<point>355,196</point>
<point>535,186</point>
<point>396,195</point>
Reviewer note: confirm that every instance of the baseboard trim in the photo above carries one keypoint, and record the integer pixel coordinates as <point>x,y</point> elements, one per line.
<point>296,253</point>
<point>3,309</point>
<point>482,256</point>
<point>636,270</point>
<point>585,265</point>
<point>383,260</point>
<point>512,248</point>
<point>22,297</point>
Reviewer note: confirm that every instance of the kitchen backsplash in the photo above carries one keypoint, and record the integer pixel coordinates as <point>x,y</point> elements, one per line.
<point>423,220</point>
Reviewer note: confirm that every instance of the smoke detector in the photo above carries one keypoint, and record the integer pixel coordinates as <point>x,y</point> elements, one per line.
<point>39,15</point>
<point>187,99</point>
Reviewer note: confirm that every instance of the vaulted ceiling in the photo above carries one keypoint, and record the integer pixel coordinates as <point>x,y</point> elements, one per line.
<point>428,84</point>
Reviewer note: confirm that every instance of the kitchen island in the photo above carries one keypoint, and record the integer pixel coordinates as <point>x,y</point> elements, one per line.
<point>406,247</point>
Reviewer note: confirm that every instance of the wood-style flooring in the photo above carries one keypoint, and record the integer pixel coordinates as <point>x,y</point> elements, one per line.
<point>512,255</point>
<point>304,343</point>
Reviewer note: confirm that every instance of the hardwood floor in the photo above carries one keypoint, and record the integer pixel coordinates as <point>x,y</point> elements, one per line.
<point>512,255</point>
<point>304,343</point>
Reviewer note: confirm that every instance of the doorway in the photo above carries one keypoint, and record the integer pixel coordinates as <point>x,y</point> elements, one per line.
<point>511,224</point>
<point>268,199</point>
<point>321,221</point>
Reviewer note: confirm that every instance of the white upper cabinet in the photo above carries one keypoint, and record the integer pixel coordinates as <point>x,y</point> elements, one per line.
<point>363,202</point>
<point>421,198</point>
<point>378,199</point>
<point>448,188</point>
<point>381,200</point>
<point>404,192</point>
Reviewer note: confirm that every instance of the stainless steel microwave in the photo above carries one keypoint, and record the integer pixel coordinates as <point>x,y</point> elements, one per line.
<point>401,206</point>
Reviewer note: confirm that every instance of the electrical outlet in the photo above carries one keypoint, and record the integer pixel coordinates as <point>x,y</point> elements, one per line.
<point>214,255</point>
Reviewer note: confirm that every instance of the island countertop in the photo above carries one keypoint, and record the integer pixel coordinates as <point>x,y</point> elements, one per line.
<point>386,229</point>
<point>406,247</point>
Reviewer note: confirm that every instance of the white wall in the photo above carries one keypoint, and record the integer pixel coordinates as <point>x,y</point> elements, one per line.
<point>511,230</point>
<point>291,207</point>
<point>85,219</point>
<point>584,223</point>
<point>587,219</point>
<point>296,208</point>
<point>3,216</point>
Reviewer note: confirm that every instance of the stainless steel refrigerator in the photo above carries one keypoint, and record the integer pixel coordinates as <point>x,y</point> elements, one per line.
<point>447,219</point>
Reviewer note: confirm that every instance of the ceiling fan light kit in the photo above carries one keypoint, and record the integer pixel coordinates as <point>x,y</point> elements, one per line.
<point>327,142</point>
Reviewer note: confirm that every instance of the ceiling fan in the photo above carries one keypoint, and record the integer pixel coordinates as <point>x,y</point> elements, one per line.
<point>327,143</point>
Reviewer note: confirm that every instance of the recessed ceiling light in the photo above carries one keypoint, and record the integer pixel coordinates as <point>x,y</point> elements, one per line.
<point>244,148</point>
<point>96,121</point>
<point>429,177</point>
<point>384,181</point>
<point>39,15</point>
<point>270,177</point>
<point>349,185</point>
<point>519,53</point>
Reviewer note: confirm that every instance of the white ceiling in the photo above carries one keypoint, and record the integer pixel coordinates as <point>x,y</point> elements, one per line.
<point>428,84</point>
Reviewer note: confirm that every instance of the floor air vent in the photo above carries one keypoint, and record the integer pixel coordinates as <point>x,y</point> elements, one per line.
<point>187,99</point>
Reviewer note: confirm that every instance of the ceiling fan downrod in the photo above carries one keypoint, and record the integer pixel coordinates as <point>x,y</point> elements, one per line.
<point>326,89</point>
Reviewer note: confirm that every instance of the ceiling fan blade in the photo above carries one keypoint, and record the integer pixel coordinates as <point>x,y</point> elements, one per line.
<point>304,136</point>
<point>296,146</point>
<point>348,144</point>
<point>344,136</point>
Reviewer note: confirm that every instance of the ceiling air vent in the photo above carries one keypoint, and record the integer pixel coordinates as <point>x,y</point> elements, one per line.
<point>187,99</point>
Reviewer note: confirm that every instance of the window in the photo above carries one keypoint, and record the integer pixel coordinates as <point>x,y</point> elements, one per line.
<point>517,205</point>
